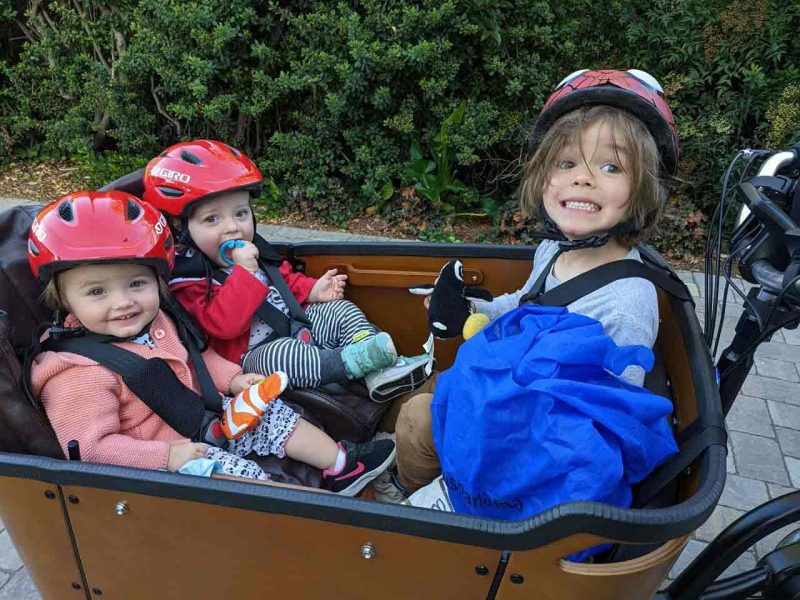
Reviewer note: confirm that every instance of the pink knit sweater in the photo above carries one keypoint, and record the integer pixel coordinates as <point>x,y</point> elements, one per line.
<point>89,403</point>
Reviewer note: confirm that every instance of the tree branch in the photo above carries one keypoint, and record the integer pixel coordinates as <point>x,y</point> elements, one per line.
<point>102,127</point>
<point>161,111</point>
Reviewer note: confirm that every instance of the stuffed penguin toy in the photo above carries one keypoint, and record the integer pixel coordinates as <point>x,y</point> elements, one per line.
<point>450,306</point>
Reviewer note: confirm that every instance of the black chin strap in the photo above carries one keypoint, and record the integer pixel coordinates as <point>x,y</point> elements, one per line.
<point>592,241</point>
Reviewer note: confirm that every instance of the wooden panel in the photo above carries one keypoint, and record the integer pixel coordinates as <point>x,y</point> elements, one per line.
<point>545,575</point>
<point>379,286</point>
<point>38,528</point>
<point>672,347</point>
<point>166,548</point>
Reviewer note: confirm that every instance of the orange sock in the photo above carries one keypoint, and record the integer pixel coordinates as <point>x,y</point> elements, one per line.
<point>244,412</point>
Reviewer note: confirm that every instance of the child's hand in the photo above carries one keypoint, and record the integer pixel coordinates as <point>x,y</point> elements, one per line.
<point>246,256</point>
<point>183,452</point>
<point>328,287</point>
<point>243,381</point>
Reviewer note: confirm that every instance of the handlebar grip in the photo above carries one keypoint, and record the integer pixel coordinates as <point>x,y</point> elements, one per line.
<point>769,213</point>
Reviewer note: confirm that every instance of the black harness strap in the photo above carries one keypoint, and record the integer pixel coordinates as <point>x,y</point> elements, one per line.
<point>151,380</point>
<point>195,342</point>
<point>282,325</point>
<point>692,441</point>
<point>594,279</point>
<point>533,295</point>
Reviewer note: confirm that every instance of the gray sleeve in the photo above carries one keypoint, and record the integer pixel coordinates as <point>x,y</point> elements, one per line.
<point>505,303</point>
<point>508,302</point>
<point>628,331</point>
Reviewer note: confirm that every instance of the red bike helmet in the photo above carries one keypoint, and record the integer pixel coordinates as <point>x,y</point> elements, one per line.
<point>98,227</point>
<point>191,171</point>
<point>633,90</point>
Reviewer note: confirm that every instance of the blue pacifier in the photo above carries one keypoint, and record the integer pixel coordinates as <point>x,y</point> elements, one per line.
<point>229,245</point>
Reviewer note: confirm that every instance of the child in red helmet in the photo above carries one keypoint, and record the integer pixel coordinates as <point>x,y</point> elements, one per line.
<point>603,149</point>
<point>254,308</point>
<point>101,255</point>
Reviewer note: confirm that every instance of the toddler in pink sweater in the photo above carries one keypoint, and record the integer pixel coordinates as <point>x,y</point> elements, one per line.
<point>101,255</point>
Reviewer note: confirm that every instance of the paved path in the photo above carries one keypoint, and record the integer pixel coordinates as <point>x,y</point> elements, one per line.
<point>764,428</point>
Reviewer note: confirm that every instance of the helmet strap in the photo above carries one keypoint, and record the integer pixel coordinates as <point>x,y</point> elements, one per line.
<point>592,241</point>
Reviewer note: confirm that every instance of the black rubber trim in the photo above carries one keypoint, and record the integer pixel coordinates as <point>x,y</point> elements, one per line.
<point>412,248</point>
<point>626,525</point>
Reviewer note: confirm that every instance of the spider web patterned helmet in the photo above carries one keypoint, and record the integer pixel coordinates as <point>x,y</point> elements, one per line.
<point>192,171</point>
<point>634,91</point>
<point>98,227</point>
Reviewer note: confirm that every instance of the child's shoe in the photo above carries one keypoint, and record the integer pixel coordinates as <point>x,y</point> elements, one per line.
<point>244,412</point>
<point>363,463</point>
<point>368,355</point>
<point>388,489</point>
<point>407,374</point>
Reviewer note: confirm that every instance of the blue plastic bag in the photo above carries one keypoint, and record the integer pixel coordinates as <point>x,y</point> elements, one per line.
<point>529,417</point>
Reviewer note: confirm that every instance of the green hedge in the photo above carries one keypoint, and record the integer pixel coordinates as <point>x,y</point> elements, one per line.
<point>329,98</point>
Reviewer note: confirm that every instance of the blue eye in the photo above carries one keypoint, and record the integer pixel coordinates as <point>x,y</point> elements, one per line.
<point>210,219</point>
<point>565,164</point>
<point>243,213</point>
<point>611,168</point>
<point>95,292</point>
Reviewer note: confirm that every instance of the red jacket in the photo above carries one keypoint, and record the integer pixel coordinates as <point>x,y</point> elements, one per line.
<point>227,315</point>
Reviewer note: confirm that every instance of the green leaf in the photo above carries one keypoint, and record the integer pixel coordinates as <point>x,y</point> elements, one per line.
<point>416,150</point>
<point>386,192</point>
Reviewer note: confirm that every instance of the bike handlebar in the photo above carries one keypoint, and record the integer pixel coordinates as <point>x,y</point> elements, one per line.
<point>773,217</point>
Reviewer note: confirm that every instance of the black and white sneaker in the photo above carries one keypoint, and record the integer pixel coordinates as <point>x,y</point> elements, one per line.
<point>363,463</point>
<point>406,375</point>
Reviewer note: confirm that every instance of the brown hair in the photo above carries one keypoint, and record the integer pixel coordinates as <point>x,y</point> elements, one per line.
<point>642,166</point>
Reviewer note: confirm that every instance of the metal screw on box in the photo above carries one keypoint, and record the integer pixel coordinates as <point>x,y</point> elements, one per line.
<point>73,499</point>
<point>76,585</point>
<point>517,578</point>
<point>49,494</point>
<point>368,551</point>
<point>121,508</point>
<point>97,591</point>
<point>482,570</point>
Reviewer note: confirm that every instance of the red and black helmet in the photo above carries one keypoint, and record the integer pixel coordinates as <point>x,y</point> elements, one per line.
<point>98,227</point>
<point>633,90</point>
<point>191,171</point>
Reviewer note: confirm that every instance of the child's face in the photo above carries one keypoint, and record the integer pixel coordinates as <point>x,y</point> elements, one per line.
<point>585,200</point>
<point>220,219</point>
<point>116,299</point>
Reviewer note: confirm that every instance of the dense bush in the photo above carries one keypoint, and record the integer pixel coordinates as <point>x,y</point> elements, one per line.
<point>329,98</point>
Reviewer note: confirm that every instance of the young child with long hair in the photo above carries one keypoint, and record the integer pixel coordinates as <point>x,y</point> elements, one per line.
<point>102,256</point>
<point>255,309</point>
<point>604,147</point>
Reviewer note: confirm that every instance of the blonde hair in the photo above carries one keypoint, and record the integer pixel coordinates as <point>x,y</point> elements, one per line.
<point>642,166</point>
<point>52,299</point>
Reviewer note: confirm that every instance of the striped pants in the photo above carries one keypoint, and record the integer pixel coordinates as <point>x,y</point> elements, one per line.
<point>333,325</point>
